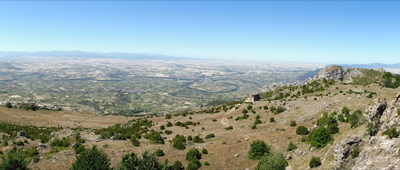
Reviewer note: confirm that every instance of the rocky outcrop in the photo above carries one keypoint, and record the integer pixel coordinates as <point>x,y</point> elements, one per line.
<point>339,74</point>
<point>344,149</point>
<point>376,111</point>
<point>380,153</point>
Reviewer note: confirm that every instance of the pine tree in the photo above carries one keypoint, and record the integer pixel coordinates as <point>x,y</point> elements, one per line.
<point>92,159</point>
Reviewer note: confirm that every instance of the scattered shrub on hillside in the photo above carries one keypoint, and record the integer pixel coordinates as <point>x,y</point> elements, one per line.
<point>228,128</point>
<point>78,148</point>
<point>189,138</point>
<point>373,128</point>
<point>249,107</point>
<point>279,109</point>
<point>132,161</point>
<point>206,163</point>
<point>198,139</point>
<point>258,117</point>
<point>330,122</point>
<point>211,135</point>
<point>258,149</point>
<point>254,127</point>
<point>265,107</point>
<point>392,133</point>
<point>159,152</point>
<point>345,111</point>
<point>214,120</point>
<point>293,123</point>
<point>193,154</point>
<point>92,159</point>
<point>204,151</point>
<point>14,160</point>
<point>302,130</point>
<point>356,119</point>
<point>135,141</point>
<point>168,116</point>
<point>178,142</point>
<point>291,147</point>
<point>341,118</point>
<point>272,161</point>
<point>320,137</point>
<point>169,124</point>
<point>177,166</point>
<point>272,119</point>
<point>257,121</point>
<point>168,132</point>
<point>315,162</point>
<point>162,127</point>
<point>245,111</point>
<point>154,137</point>
<point>356,152</point>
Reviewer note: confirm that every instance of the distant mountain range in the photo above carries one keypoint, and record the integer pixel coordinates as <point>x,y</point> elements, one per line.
<point>369,66</point>
<point>83,54</point>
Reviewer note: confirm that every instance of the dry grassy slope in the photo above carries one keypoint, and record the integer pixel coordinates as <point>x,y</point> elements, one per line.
<point>221,156</point>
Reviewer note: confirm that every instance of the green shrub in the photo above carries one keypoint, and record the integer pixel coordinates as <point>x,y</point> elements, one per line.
<point>198,139</point>
<point>258,149</point>
<point>211,135</point>
<point>154,137</point>
<point>245,111</point>
<point>204,151</point>
<point>178,142</point>
<point>356,152</point>
<point>258,117</point>
<point>265,107</point>
<point>272,161</point>
<point>162,127</point>
<point>189,138</point>
<point>341,118</point>
<point>291,147</point>
<point>279,109</point>
<point>177,166</point>
<point>193,154</point>
<point>78,148</point>
<point>132,161</point>
<point>31,152</point>
<point>14,160</point>
<point>392,133</point>
<point>345,110</point>
<point>169,124</point>
<point>254,127</point>
<point>355,119</point>
<point>135,141</point>
<point>168,116</point>
<point>168,132</point>
<point>214,120</point>
<point>36,159</point>
<point>159,152</point>
<point>228,128</point>
<point>272,119</point>
<point>293,123</point>
<point>320,137</point>
<point>315,162</point>
<point>373,128</point>
<point>257,121</point>
<point>302,130</point>
<point>249,107</point>
<point>206,163</point>
<point>92,159</point>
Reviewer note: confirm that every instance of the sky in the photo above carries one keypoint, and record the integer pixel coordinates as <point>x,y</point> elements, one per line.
<point>328,32</point>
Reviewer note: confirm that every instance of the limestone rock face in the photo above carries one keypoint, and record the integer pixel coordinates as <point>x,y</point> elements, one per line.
<point>380,153</point>
<point>339,74</point>
<point>344,149</point>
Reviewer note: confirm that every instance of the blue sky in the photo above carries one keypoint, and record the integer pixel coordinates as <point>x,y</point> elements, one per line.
<point>294,31</point>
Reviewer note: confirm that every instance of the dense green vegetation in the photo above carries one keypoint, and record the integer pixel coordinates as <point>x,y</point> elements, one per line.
<point>92,159</point>
<point>14,161</point>
<point>178,142</point>
<point>138,126</point>
<point>31,132</point>
<point>258,149</point>
<point>320,137</point>
<point>272,161</point>
<point>315,162</point>
<point>392,133</point>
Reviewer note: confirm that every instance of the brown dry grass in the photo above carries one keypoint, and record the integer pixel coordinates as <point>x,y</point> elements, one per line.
<point>226,144</point>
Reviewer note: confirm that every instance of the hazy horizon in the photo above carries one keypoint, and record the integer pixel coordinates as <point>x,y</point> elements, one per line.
<point>326,32</point>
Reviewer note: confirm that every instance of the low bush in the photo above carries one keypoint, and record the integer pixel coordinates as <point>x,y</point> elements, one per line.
<point>315,162</point>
